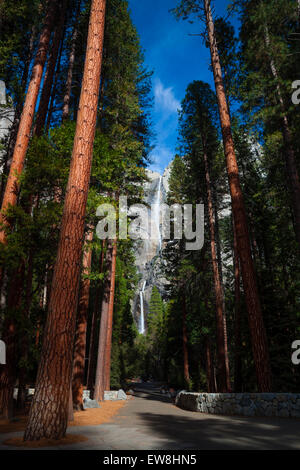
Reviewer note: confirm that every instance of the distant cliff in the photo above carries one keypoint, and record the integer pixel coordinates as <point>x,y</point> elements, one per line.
<point>147,254</point>
<point>7,114</point>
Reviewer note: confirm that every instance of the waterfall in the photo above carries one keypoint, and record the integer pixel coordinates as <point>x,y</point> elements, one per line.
<point>156,213</point>
<point>142,316</point>
<point>155,247</point>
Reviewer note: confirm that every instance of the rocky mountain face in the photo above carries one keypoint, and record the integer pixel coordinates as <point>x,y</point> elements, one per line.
<point>7,114</point>
<point>148,251</point>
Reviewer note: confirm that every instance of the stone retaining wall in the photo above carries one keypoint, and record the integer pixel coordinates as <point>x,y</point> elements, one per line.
<point>286,405</point>
<point>112,395</point>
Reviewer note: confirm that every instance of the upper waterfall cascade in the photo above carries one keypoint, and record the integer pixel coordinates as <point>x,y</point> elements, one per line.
<point>148,251</point>
<point>157,214</point>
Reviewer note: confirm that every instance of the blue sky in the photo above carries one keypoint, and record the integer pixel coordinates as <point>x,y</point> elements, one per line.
<point>176,59</point>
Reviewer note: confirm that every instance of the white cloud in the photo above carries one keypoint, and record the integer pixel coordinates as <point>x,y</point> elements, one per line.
<point>165,99</point>
<point>161,156</point>
<point>166,121</point>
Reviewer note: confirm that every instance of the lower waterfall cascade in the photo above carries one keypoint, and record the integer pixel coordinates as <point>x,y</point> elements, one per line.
<point>148,251</point>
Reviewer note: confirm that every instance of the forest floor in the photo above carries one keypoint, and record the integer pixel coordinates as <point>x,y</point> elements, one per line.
<point>150,421</point>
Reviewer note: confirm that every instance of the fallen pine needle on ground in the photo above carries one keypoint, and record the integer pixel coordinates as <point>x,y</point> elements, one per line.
<point>90,417</point>
<point>96,416</point>
<point>69,439</point>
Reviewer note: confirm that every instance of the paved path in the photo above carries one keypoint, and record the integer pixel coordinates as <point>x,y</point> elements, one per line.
<point>151,422</point>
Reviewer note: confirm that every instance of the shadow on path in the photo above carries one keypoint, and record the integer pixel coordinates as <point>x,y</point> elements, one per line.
<point>200,431</point>
<point>150,391</point>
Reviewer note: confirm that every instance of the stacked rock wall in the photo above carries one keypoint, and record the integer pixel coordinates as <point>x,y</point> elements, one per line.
<point>286,405</point>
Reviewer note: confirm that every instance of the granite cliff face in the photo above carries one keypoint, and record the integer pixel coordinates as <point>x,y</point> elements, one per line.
<point>148,251</point>
<point>7,114</point>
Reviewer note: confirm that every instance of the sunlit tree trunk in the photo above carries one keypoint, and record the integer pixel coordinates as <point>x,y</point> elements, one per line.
<point>49,410</point>
<point>256,324</point>
<point>80,339</point>
<point>17,116</point>
<point>22,141</point>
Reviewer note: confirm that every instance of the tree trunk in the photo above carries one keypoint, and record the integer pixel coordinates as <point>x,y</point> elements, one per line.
<point>100,369</point>
<point>186,373</point>
<point>49,411</point>
<point>48,81</point>
<point>209,367</point>
<point>223,373</point>
<point>237,311</point>
<point>25,342</point>
<point>108,344</point>
<point>70,407</point>
<point>94,331</point>
<point>22,141</point>
<point>219,256</point>
<point>256,324</point>
<point>290,159</point>
<point>80,341</point>
<point>67,96</point>
<point>8,372</point>
<point>54,87</point>
<point>17,116</point>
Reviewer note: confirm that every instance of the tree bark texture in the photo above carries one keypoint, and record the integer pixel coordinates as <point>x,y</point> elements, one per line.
<point>49,411</point>
<point>12,186</point>
<point>100,369</point>
<point>256,323</point>
<point>110,317</point>
<point>80,339</point>
<point>48,81</point>
<point>223,379</point>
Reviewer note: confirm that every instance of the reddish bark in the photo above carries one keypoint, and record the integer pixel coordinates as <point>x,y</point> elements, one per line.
<point>237,320</point>
<point>219,256</point>
<point>100,369</point>
<point>94,331</point>
<point>223,372</point>
<point>49,410</point>
<point>48,81</point>
<point>80,339</point>
<point>17,116</point>
<point>256,324</point>
<point>67,96</point>
<point>108,344</point>
<point>22,141</point>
